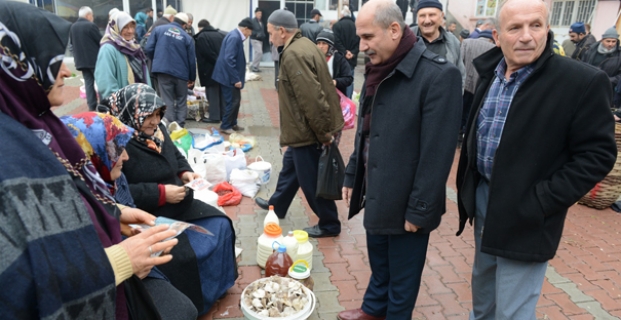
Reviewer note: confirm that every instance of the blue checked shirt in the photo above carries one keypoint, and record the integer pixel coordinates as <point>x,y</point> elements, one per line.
<point>491,119</point>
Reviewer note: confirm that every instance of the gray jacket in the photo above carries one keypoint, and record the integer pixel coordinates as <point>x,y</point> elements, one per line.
<point>453,54</point>
<point>311,29</point>
<point>470,49</point>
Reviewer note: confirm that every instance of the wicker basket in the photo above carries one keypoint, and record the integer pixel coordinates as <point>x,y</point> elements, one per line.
<point>606,192</point>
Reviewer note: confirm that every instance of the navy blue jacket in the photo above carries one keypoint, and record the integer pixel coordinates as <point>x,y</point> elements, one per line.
<point>172,51</point>
<point>231,64</point>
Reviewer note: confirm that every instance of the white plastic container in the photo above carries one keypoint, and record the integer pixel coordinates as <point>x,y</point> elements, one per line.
<point>263,168</point>
<point>292,245</point>
<point>265,244</point>
<point>271,217</point>
<point>305,248</point>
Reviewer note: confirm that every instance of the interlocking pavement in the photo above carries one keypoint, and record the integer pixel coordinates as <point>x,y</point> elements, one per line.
<point>583,281</point>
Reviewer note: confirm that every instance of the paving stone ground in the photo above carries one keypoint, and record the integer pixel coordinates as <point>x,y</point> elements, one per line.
<point>583,281</point>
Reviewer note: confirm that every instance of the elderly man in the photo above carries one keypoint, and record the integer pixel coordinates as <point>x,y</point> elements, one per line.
<point>84,36</point>
<point>230,73</point>
<point>312,28</point>
<point>583,40</point>
<point>310,115</point>
<point>438,40</point>
<point>174,64</point>
<point>543,125</point>
<point>410,109</point>
<point>256,39</point>
<point>347,43</point>
<point>606,55</point>
<point>208,44</point>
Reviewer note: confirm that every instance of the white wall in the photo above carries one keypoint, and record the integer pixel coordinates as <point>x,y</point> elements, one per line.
<point>605,16</point>
<point>463,11</point>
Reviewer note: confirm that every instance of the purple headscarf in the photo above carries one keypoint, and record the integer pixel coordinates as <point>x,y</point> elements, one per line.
<point>131,49</point>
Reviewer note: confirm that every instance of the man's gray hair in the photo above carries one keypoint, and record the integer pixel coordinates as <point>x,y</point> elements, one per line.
<point>345,12</point>
<point>190,16</point>
<point>388,12</point>
<point>502,5</point>
<point>84,11</point>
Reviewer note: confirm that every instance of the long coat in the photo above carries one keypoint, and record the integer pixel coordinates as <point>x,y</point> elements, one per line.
<point>416,113</point>
<point>557,143</point>
<point>208,46</point>
<point>231,64</point>
<point>85,37</point>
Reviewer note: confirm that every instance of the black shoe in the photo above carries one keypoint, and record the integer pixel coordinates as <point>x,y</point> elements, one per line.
<point>206,120</point>
<point>255,70</point>
<point>238,128</point>
<point>316,232</point>
<point>262,203</point>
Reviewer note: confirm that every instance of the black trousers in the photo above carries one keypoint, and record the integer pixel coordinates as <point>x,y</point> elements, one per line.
<point>216,101</point>
<point>468,99</point>
<point>299,170</point>
<point>89,86</point>
<point>232,101</point>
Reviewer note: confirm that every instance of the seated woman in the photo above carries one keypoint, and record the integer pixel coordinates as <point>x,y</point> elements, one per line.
<point>62,251</point>
<point>156,172</point>
<point>103,139</point>
<point>337,64</point>
<point>121,60</point>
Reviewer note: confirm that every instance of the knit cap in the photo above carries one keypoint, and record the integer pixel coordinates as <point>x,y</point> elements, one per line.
<point>182,16</point>
<point>170,11</point>
<point>283,18</point>
<point>611,33</point>
<point>326,36</point>
<point>429,4</point>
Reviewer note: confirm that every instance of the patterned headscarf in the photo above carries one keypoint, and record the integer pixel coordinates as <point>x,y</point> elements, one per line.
<point>131,49</point>
<point>132,105</point>
<point>102,138</point>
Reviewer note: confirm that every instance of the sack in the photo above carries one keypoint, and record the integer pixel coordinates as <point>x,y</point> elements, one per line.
<point>245,181</point>
<point>140,305</point>
<point>197,163</point>
<point>263,169</point>
<point>234,159</point>
<point>227,194</point>
<point>349,111</point>
<point>215,168</point>
<point>331,174</point>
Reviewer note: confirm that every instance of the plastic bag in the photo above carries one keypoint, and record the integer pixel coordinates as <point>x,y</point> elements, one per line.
<point>349,111</point>
<point>182,139</point>
<point>215,168</point>
<point>227,194</point>
<point>245,181</point>
<point>234,159</point>
<point>243,142</point>
<point>331,174</point>
<point>208,143</point>
<point>196,161</point>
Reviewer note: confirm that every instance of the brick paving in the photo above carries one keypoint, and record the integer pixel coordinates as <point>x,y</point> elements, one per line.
<point>583,281</point>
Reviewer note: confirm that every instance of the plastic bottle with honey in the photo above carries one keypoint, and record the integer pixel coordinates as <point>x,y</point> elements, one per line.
<point>278,263</point>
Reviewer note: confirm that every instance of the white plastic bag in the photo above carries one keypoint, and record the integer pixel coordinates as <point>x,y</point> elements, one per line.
<point>196,161</point>
<point>215,168</point>
<point>245,181</point>
<point>234,159</point>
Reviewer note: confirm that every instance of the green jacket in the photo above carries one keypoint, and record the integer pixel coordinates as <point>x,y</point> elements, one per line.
<point>111,71</point>
<point>310,109</point>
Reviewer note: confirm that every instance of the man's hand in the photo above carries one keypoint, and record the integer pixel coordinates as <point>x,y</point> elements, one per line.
<point>330,137</point>
<point>346,195</point>
<point>190,84</point>
<point>349,55</point>
<point>174,194</point>
<point>334,82</point>
<point>617,118</point>
<point>238,85</point>
<point>189,176</point>
<point>410,227</point>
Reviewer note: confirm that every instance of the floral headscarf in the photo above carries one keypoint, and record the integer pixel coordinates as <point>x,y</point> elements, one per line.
<point>102,138</point>
<point>131,49</point>
<point>132,105</point>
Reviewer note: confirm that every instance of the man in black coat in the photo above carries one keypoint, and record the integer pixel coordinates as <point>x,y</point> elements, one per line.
<point>347,42</point>
<point>539,137</point>
<point>405,145</point>
<point>85,37</point>
<point>208,44</point>
<point>606,55</point>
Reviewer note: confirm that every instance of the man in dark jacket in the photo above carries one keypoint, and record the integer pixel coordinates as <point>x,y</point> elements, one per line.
<point>405,144</point>
<point>256,40</point>
<point>230,72</point>
<point>167,17</point>
<point>347,43</point>
<point>541,137</point>
<point>310,116</point>
<point>85,37</point>
<point>174,63</point>
<point>606,55</point>
<point>208,44</point>
<point>312,28</point>
<point>582,39</point>
<point>149,21</point>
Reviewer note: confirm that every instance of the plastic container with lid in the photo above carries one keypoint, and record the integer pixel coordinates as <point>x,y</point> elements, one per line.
<point>300,271</point>
<point>279,262</point>
<point>292,245</point>
<point>271,217</point>
<point>305,248</point>
<point>271,233</point>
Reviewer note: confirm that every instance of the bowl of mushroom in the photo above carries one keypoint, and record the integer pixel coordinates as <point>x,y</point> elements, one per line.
<point>277,298</point>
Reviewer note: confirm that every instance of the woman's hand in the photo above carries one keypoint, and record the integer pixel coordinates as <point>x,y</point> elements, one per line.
<point>131,215</point>
<point>140,247</point>
<point>174,194</point>
<point>189,176</point>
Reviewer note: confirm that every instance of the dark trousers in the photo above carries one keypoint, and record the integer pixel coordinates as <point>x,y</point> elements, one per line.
<point>397,263</point>
<point>468,99</point>
<point>232,100</point>
<point>216,101</point>
<point>299,170</point>
<point>89,86</point>
<point>276,66</point>
<point>174,92</point>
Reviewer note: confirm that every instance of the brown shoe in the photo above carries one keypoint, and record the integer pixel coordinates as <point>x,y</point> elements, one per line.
<point>238,128</point>
<point>357,314</point>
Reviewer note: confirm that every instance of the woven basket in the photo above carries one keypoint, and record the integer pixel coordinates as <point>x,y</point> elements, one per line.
<point>606,192</point>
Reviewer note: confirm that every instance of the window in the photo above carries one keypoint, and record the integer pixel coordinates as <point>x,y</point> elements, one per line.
<point>566,12</point>
<point>486,8</point>
<point>301,9</point>
<point>557,8</point>
<point>585,10</point>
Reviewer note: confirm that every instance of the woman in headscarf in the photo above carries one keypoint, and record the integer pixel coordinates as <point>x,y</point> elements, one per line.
<point>103,139</point>
<point>54,224</point>
<point>157,172</point>
<point>141,27</point>
<point>120,61</point>
<point>337,64</point>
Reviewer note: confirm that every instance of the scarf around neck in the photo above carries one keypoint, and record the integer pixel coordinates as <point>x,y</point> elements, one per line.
<point>603,50</point>
<point>131,49</point>
<point>376,73</point>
